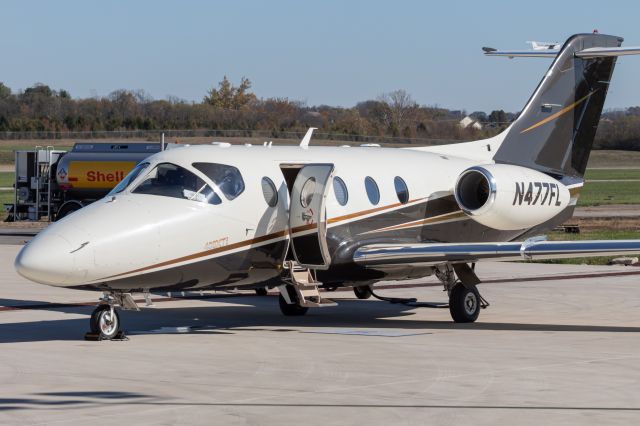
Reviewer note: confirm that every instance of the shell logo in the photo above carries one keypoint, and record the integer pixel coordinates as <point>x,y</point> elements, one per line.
<point>62,174</point>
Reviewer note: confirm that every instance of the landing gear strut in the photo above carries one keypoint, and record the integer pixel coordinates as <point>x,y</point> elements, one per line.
<point>465,300</point>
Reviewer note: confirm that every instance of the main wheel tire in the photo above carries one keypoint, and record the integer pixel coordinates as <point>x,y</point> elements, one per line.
<point>464,304</point>
<point>293,310</point>
<point>262,291</point>
<point>362,292</point>
<point>102,323</point>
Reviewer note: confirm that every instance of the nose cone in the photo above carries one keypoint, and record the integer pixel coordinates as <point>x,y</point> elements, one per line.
<point>47,260</point>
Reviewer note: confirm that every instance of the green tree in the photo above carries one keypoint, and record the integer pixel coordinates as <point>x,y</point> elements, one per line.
<point>498,117</point>
<point>38,90</point>
<point>5,91</point>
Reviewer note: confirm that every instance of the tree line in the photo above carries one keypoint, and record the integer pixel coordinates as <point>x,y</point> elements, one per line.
<point>229,107</point>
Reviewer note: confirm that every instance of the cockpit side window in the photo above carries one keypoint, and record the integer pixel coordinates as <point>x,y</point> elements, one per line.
<point>169,180</point>
<point>133,174</point>
<point>227,178</point>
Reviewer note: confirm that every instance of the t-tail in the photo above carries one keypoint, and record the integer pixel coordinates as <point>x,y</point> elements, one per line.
<point>556,129</point>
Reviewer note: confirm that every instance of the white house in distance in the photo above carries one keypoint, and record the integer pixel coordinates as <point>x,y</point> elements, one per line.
<point>468,121</point>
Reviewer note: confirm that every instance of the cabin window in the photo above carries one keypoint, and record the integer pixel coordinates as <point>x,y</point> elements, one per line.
<point>269,192</point>
<point>169,180</point>
<point>401,189</point>
<point>227,178</point>
<point>133,174</point>
<point>372,190</point>
<point>340,191</point>
<point>308,191</point>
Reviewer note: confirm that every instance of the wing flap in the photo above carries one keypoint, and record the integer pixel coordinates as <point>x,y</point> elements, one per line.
<point>438,253</point>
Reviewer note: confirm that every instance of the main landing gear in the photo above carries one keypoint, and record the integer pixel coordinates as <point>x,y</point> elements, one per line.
<point>465,302</point>
<point>105,320</point>
<point>363,292</point>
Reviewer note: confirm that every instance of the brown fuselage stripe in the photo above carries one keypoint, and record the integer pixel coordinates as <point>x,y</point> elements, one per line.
<point>253,241</point>
<point>302,228</point>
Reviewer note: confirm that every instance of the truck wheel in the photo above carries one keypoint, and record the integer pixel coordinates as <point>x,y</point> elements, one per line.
<point>67,209</point>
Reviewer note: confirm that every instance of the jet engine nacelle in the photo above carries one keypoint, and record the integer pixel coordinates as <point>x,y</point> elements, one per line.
<point>507,197</point>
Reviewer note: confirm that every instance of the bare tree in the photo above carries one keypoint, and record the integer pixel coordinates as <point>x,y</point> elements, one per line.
<point>401,109</point>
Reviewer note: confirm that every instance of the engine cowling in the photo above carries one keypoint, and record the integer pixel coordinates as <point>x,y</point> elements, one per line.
<point>507,197</point>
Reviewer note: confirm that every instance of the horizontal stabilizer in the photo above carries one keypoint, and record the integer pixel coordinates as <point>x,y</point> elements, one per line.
<point>547,53</point>
<point>601,52</point>
<point>438,253</point>
<point>592,52</point>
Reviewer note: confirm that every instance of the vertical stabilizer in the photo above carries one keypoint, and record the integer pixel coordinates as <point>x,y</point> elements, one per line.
<point>555,131</point>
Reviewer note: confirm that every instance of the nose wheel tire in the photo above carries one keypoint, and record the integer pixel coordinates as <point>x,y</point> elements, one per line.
<point>262,291</point>
<point>464,304</point>
<point>104,323</point>
<point>362,292</point>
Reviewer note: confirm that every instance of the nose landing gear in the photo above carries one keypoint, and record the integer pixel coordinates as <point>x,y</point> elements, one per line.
<point>105,320</point>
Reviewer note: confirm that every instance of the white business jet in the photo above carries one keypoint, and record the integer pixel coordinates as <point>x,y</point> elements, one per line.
<point>303,218</point>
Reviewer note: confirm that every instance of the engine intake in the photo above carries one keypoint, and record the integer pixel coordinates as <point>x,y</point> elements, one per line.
<point>476,188</point>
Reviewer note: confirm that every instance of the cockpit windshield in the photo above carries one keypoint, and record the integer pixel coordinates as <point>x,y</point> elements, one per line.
<point>169,180</point>
<point>227,178</point>
<point>133,174</point>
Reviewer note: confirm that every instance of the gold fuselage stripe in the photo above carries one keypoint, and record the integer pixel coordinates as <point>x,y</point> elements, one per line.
<point>558,114</point>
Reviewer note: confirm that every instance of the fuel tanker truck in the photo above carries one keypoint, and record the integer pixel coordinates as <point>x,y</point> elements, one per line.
<point>50,184</point>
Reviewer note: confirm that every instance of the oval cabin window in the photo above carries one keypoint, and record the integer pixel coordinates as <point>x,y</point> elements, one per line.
<point>340,191</point>
<point>401,190</point>
<point>269,192</point>
<point>372,190</point>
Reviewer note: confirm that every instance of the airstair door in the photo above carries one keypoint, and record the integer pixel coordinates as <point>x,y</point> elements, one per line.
<point>307,216</point>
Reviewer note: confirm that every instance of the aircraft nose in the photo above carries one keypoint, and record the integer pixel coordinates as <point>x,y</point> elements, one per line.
<point>47,260</point>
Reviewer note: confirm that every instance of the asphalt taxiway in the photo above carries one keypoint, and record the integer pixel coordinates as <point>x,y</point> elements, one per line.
<point>560,344</point>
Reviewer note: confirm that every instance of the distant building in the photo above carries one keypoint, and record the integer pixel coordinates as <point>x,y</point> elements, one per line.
<point>468,121</point>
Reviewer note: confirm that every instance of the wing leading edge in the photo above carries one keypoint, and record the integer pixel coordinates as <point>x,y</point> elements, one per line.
<point>438,253</point>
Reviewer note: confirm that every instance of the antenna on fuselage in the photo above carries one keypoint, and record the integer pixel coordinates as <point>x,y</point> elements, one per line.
<point>307,138</point>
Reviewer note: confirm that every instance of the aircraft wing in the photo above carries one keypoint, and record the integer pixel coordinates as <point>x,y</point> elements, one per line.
<point>380,255</point>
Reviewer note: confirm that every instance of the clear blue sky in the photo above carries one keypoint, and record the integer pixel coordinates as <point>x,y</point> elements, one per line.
<point>335,52</point>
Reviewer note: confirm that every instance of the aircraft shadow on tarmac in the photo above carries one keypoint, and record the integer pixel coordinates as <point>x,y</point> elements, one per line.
<point>84,399</point>
<point>74,399</point>
<point>260,313</point>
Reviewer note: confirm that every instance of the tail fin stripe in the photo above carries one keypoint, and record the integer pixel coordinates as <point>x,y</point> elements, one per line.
<point>559,113</point>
